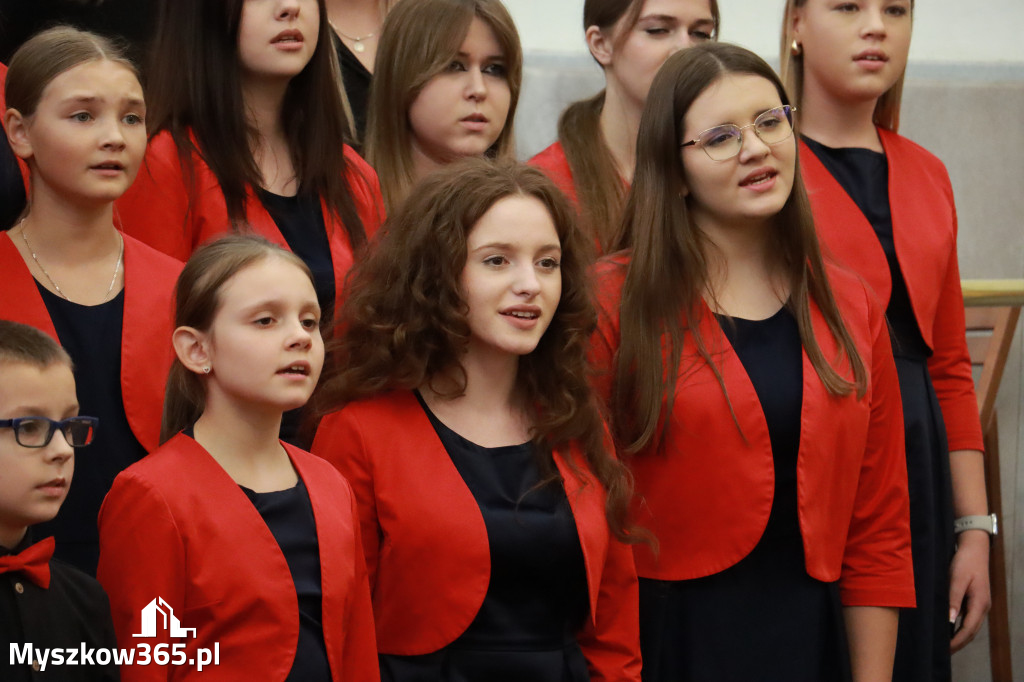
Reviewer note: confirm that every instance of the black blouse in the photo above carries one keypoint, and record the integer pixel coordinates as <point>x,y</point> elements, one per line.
<point>92,337</point>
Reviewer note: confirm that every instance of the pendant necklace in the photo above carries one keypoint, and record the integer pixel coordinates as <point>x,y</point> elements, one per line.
<point>117,266</point>
<point>357,42</point>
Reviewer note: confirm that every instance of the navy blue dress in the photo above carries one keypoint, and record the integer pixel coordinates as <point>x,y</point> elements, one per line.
<point>92,337</point>
<point>922,646</point>
<point>764,618</point>
<point>536,600</point>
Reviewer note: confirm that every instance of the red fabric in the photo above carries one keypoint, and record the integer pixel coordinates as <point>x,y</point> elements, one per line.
<point>707,497</point>
<point>146,351</point>
<point>33,561</point>
<point>553,162</point>
<point>924,227</point>
<point>156,209</point>
<point>176,526</point>
<point>426,542</point>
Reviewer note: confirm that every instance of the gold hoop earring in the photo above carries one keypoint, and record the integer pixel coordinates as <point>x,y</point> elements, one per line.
<point>795,49</point>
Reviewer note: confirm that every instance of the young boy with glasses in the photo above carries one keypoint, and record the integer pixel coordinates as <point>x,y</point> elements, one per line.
<point>47,609</point>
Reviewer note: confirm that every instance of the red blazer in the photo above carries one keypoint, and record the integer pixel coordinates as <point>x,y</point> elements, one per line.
<point>176,526</point>
<point>924,228</point>
<point>156,207</point>
<point>146,351</point>
<point>554,164</point>
<point>707,497</point>
<point>426,542</point>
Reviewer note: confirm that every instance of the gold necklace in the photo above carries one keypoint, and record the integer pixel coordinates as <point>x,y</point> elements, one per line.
<point>117,266</point>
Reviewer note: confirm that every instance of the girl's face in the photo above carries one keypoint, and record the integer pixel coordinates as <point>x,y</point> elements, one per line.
<point>277,38</point>
<point>462,110</point>
<point>751,187</point>
<point>264,346</point>
<point>632,56</point>
<point>852,51</point>
<point>512,281</point>
<point>87,137</point>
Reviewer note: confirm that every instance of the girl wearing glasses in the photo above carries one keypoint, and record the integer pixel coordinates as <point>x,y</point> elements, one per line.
<point>493,512</point>
<point>252,542</point>
<point>594,157</point>
<point>446,87</point>
<point>77,117</point>
<point>884,208</point>
<point>248,133</point>
<point>753,393</point>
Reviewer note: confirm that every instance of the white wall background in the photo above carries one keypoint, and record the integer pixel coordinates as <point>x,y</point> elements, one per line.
<point>945,31</point>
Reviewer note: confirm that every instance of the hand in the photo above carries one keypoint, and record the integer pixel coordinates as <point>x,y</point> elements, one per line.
<point>969,590</point>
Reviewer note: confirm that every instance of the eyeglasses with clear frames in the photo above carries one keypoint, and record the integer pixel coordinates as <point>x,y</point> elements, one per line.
<point>723,142</point>
<point>36,432</point>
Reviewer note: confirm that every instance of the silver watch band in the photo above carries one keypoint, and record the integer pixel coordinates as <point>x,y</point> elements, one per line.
<point>988,523</point>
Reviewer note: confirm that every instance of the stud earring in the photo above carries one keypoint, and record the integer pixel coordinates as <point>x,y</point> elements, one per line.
<point>206,370</point>
<point>795,48</point>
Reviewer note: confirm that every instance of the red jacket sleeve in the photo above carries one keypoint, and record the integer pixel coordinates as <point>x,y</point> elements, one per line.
<point>950,364</point>
<point>339,441</point>
<point>877,568</point>
<point>141,557</point>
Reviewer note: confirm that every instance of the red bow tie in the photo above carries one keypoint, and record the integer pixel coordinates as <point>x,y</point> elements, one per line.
<point>33,561</point>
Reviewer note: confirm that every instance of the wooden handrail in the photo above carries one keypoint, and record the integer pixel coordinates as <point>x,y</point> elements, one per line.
<point>989,292</point>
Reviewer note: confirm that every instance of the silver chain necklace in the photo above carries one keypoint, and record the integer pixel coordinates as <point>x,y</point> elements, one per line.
<point>357,42</point>
<point>117,266</point>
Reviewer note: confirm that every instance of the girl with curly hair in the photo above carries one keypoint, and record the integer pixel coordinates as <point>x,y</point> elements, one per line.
<point>492,510</point>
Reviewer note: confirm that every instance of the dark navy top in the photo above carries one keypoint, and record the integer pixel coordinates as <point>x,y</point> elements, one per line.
<point>536,600</point>
<point>92,337</point>
<point>864,175</point>
<point>356,79</point>
<point>763,618</point>
<point>301,221</point>
<point>289,516</point>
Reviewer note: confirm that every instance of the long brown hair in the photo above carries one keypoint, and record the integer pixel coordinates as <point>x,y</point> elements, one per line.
<point>194,91</point>
<point>419,40</point>
<point>599,187</point>
<point>404,319</point>
<point>791,68</point>
<point>668,269</point>
<point>196,302</point>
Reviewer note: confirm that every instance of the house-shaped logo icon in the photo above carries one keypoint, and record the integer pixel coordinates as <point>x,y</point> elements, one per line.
<point>167,617</point>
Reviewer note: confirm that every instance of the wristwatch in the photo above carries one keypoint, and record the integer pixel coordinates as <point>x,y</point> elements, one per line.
<point>988,523</point>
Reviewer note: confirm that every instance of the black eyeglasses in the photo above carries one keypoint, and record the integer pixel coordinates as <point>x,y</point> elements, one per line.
<point>723,142</point>
<point>36,432</point>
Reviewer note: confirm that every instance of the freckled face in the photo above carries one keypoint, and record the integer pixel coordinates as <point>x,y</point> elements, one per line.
<point>512,281</point>
<point>853,51</point>
<point>461,111</point>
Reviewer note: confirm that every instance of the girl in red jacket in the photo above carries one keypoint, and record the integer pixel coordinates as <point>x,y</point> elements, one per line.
<point>754,390</point>
<point>248,132</point>
<point>884,208</point>
<point>251,542</point>
<point>76,117</point>
<point>595,154</point>
<point>492,511</point>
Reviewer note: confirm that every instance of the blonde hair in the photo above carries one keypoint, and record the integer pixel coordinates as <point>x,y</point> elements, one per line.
<point>418,41</point>
<point>791,68</point>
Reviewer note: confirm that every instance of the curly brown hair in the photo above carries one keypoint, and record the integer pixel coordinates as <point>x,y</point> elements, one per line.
<point>403,321</point>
